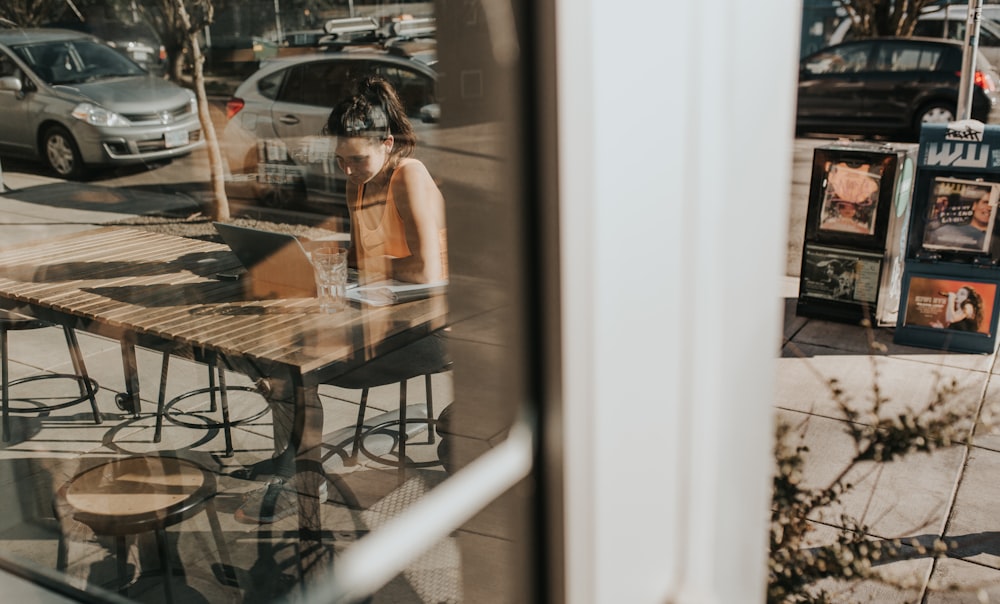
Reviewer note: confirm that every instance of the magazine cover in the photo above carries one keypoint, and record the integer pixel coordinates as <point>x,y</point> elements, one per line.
<point>960,215</point>
<point>950,304</point>
<point>843,275</point>
<point>851,198</point>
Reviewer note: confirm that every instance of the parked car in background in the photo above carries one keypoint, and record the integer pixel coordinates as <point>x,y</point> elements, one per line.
<point>944,22</point>
<point>273,143</point>
<point>888,86</point>
<point>68,98</point>
<point>136,40</point>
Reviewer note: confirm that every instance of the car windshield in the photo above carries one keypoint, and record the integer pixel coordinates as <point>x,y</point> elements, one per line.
<point>76,61</point>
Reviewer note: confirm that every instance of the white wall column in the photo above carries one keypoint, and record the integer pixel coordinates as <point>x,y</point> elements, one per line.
<point>675,135</point>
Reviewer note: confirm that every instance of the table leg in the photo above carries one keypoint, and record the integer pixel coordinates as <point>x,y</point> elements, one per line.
<point>315,558</point>
<point>128,401</point>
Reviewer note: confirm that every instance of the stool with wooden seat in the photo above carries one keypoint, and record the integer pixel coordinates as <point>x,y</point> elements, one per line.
<point>138,495</point>
<point>163,407</point>
<point>10,321</point>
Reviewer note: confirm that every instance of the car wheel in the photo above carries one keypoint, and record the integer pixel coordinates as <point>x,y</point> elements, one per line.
<point>61,153</point>
<point>938,112</point>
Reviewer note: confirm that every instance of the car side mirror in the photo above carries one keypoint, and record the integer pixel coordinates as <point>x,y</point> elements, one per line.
<point>430,114</point>
<point>11,83</point>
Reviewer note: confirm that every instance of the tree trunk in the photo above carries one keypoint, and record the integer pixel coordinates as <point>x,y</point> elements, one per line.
<point>220,202</point>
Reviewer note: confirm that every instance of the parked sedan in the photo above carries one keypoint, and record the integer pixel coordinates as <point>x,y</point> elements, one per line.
<point>273,142</point>
<point>68,98</point>
<point>888,86</point>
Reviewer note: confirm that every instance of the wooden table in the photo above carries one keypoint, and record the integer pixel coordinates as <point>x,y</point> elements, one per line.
<point>161,291</point>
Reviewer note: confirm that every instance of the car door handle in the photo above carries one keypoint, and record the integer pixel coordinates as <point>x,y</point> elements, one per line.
<point>288,119</point>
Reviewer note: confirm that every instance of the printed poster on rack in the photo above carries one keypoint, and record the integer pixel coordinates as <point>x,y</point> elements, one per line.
<point>950,304</point>
<point>841,275</point>
<point>960,215</point>
<point>850,201</point>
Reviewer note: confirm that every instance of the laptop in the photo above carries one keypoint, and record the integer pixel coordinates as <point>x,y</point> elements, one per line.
<point>277,264</point>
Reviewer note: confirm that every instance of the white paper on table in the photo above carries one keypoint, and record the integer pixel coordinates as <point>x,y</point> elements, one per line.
<point>384,293</point>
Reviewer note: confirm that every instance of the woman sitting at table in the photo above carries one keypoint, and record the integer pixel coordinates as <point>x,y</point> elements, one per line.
<point>396,209</point>
<point>397,232</point>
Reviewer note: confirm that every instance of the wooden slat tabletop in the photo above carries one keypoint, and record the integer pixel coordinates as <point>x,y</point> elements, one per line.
<point>123,280</point>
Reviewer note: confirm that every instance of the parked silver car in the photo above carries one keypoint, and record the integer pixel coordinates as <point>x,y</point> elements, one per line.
<point>68,98</point>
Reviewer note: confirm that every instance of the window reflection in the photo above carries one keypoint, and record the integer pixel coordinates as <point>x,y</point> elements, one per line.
<point>207,394</point>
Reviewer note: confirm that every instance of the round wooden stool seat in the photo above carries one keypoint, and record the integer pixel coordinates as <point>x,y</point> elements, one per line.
<point>137,495</point>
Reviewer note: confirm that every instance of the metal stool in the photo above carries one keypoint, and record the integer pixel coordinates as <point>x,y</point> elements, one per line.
<point>88,386</point>
<point>137,495</point>
<point>425,358</point>
<point>163,406</point>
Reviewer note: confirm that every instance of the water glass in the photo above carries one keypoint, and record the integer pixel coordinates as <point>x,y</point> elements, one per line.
<point>330,268</point>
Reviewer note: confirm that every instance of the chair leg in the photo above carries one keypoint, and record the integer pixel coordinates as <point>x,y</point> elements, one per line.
<point>168,567</point>
<point>161,398</point>
<point>402,431</point>
<point>6,385</point>
<point>358,428</point>
<point>212,405</point>
<point>220,541</point>
<point>223,397</point>
<point>121,558</point>
<point>80,369</point>
<point>429,390</point>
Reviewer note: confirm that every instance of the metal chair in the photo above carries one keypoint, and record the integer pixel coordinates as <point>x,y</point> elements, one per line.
<point>88,386</point>
<point>426,358</point>
<point>163,406</point>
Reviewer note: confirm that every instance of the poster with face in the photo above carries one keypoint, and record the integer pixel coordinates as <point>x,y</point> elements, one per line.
<point>842,275</point>
<point>950,304</point>
<point>960,215</point>
<point>851,197</point>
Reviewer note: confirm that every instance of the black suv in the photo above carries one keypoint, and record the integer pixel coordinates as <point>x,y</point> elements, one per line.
<point>888,86</point>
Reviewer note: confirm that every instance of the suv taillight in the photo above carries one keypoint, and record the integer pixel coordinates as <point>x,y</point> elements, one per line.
<point>985,81</point>
<point>233,106</point>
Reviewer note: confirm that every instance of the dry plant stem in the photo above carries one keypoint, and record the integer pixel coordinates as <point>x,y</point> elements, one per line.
<point>796,569</point>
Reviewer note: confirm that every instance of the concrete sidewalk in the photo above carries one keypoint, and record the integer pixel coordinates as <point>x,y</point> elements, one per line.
<point>33,206</point>
<point>949,494</point>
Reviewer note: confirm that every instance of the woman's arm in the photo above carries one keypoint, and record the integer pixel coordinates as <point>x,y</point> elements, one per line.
<point>421,207</point>
<point>953,313</point>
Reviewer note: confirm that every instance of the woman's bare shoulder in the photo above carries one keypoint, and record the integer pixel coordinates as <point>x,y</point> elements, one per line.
<point>409,167</point>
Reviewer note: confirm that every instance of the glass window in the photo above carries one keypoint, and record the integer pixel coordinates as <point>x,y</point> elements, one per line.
<point>274,437</point>
<point>903,57</point>
<point>269,86</point>
<point>847,59</point>
<point>933,28</point>
<point>321,83</point>
<point>415,90</point>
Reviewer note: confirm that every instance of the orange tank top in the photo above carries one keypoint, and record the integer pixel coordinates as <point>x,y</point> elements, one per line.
<point>374,246</point>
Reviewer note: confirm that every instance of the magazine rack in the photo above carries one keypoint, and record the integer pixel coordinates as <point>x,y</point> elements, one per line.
<point>952,266</point>
<point>852,255</point>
